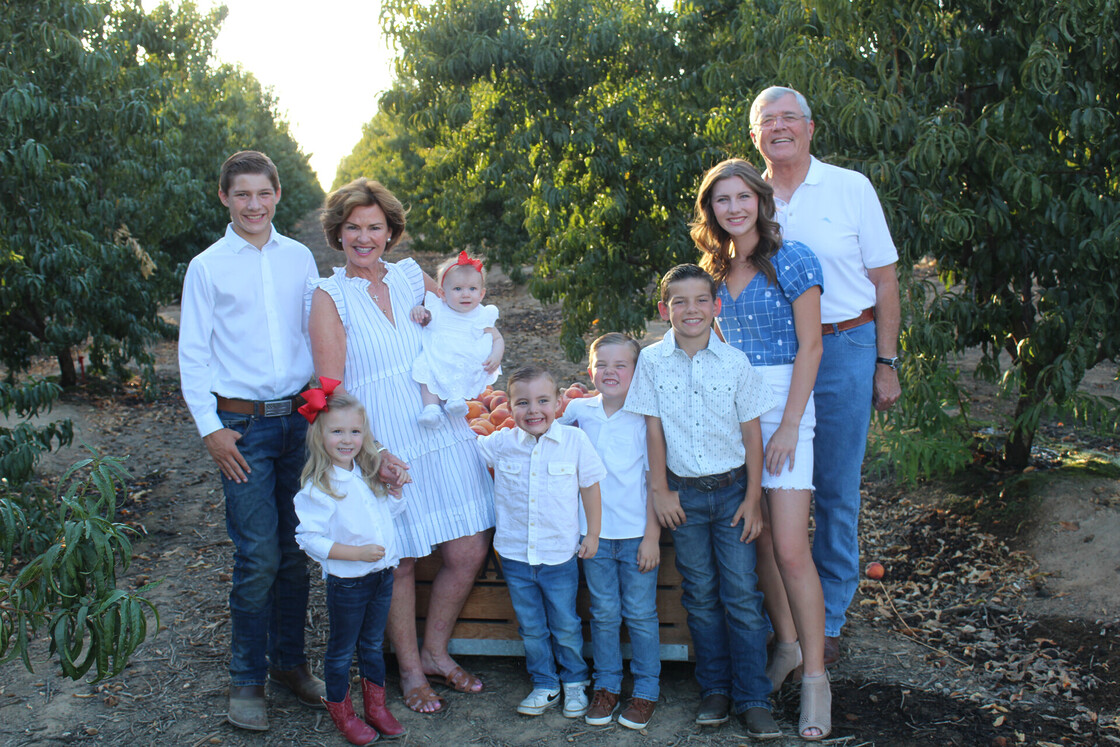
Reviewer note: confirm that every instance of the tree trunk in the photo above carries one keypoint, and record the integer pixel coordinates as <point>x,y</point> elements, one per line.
<point>1017,450</point>
<point>67,375</point>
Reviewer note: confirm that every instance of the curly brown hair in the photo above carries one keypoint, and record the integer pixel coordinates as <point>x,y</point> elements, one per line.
<point>714,243</point>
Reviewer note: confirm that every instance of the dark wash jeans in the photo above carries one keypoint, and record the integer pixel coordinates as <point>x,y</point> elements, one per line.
<point>358,609</point>
<point>720,593</point>
<point>268,601</point>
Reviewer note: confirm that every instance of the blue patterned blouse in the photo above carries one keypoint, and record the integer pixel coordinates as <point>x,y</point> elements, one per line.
<point>760,321</point>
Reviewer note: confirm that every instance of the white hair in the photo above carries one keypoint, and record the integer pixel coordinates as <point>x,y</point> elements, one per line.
<point>773,93</point>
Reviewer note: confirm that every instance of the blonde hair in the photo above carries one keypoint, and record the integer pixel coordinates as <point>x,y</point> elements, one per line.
<point>318,467</point>
<point>714,243</point>
<point>446,265</point>
<point>613,338</point>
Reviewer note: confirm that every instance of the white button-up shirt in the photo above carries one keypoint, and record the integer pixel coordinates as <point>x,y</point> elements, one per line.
<point>836,213</point>
<point>701,402</point>
<point>536,491</point>
<point>620,441</point>
<point>243,324</point>
<point>360,518</point>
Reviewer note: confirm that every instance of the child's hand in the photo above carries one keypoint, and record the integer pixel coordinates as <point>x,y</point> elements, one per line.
<point>369,553</point>
<point>497,350</point>
<point>649,554</point>
<point>588,547</point>
<point>667,506</point>
<point>420,315</point>
<point>751,514</point>
<point>781,448</point>
<point>491,364</point>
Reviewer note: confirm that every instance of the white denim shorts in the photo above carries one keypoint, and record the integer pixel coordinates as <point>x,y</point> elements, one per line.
<point>800,476</point>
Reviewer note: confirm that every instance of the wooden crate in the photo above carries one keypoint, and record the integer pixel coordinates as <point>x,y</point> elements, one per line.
<point>487,624</point>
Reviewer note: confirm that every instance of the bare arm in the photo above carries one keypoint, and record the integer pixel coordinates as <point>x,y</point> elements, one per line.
<point>649,551</point>
<point>807,322</point>
<point>430,286</point>
<point>328,337</point>
<point>593,509</point>
<point>364,553</point>
<point>750,510</point>
<point>497,350</point>
<point>888,319</point>
<point>666,503</point>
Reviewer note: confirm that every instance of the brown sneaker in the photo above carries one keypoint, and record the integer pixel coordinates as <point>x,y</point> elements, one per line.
<point>603,703</point>
<point>637,713</point>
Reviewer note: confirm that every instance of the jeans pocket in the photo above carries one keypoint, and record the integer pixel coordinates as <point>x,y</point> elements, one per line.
<point>239,423</point>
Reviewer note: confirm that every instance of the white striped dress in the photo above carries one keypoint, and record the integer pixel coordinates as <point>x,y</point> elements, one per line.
<point>451,494</point>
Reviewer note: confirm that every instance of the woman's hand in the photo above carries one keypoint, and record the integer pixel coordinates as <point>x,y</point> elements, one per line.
<point>420,315</point>
<point>782,447</point>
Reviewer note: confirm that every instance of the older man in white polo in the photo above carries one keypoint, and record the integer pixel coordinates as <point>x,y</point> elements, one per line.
<point>836,213</point>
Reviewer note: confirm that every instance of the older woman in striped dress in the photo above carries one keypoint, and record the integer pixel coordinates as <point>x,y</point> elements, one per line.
<point>361,334</point>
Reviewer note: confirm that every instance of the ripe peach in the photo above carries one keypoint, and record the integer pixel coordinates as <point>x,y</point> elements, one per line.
<point>574,392</point>
<point>498,398</point>
<point>875,570</point>
<point>580,386</point>
<point>507,423</point>
<point>475,409</point>
<point>499,414</point>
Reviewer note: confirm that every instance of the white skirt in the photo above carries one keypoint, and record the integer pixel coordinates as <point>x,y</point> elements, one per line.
<point>800,477</point>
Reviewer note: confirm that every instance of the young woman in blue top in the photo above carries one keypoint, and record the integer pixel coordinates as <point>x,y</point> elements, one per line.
<point>769,292</point>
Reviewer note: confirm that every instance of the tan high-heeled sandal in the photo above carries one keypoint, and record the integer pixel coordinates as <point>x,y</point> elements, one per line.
<point>816,707</point>
<point>785,658</point>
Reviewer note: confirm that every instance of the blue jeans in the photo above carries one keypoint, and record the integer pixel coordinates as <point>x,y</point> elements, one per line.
<point>358,609</point>
<point>544,598</point>
<point>720,594</point>
<point>843,398</point>
<point>268,602</point>
<point>619,590</point>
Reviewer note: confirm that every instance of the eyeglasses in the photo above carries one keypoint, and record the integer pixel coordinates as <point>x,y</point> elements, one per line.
<point>786,119</point>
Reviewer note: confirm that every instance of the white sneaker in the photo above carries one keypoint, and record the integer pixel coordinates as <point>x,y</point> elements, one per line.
<point>575,699</point>
<point>456,408</point>
<point>538,701</point>
<point>430,417</point>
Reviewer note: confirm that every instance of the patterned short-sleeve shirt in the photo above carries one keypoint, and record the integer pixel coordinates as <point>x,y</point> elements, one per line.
<point>760,321</point>
<point>701,401</point>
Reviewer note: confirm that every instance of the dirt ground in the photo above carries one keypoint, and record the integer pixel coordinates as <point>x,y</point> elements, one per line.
<point>969,639</point>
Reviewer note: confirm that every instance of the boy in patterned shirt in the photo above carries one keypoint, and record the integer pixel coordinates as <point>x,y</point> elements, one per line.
<point>701,400</point>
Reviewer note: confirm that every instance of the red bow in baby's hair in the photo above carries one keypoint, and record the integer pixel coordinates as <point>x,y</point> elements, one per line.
<point>316,399</point>
<point>466,260</point>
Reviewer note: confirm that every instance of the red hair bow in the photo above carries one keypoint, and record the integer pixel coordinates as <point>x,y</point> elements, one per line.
<point>316,399</point>
<point>466,260</point>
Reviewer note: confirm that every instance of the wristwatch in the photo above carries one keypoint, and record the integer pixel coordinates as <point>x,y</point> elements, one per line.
<point>892,362</point>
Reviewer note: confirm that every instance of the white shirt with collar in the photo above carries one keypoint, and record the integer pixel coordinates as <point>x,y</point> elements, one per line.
<point>701,401</point>
<point>836,213</point>
<point>536,491</point>
<point>243,324</point>
<point>359,518</point>
<point>620,440</point>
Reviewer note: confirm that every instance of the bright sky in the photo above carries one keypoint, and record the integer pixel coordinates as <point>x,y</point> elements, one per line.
<point>298,48</point>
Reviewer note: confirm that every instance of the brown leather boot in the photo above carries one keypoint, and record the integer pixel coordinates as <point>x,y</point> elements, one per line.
<point>352,727</point>
<point>377,713</point>
<point>310,690</point>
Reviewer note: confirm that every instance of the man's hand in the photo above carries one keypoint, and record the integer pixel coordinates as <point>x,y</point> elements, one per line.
<point>667,506</point>
<point>393,472</point>
<point>222,445</point>
<point>887,389</point>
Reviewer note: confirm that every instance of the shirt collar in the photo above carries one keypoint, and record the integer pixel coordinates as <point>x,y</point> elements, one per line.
<point>716,346</point>
<point>815,173</point>
<point>552,433</point>
<point>342,475</point>
<point>236,243</point>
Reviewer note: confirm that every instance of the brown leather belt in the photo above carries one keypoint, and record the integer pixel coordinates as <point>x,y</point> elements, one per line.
<point>271,408</point>
<point>865,316</point>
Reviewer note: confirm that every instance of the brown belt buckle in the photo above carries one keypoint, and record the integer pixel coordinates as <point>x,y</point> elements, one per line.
<point>277,407</point>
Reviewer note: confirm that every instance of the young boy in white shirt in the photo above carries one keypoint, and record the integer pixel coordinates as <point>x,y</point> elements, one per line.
<point>541,469</point>
<point>702,399</point>
<point>622,577</point>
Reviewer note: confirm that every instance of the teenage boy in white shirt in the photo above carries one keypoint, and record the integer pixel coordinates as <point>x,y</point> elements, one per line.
<point>244,357</point>
<point>541,470</point>
<point>622,577</point>
<point>702,400</point>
